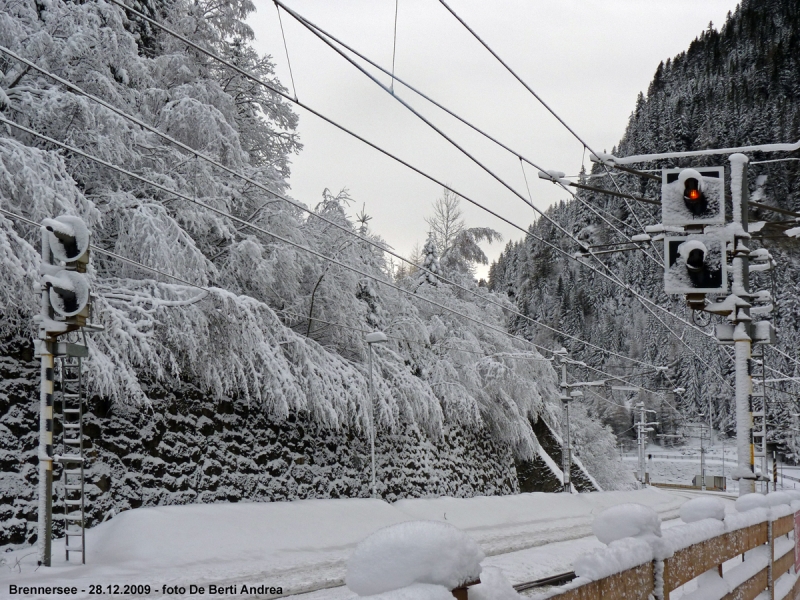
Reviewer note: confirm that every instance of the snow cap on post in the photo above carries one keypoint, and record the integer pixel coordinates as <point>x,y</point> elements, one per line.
<point>778,498</point>
<point>376,337</point>
<point>413,552</point>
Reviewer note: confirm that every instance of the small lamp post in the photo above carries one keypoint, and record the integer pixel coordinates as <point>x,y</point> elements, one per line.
<point>376,337</point>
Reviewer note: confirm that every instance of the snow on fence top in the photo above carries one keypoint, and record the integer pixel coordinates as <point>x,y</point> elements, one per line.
<point>633,532</point>
<point>698,509</point>
<point>626,520</point>
<point>405,554</point>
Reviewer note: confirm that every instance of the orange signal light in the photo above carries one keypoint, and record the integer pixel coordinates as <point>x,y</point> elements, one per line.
<point>694,195</point>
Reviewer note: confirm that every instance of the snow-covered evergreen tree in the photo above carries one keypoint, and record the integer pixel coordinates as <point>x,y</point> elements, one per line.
<point>430,263</point>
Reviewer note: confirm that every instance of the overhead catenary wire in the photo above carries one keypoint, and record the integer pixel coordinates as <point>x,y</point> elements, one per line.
<point>286,49</point>
<point>578,137</point>
<point>417,170</point>
<point>611,277</point>
<point>475,128</point>
<point>309,250</point>
<point>318,32</point>
<point>210,289</point>
<point>255,227</point>
<point>538,97</point>
<point>394,41</point>
<point>251,181</point>
<point>430,124</point>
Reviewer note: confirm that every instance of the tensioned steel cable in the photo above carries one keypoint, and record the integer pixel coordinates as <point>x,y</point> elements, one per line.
<point>430,124</point>
<point>299,246</point>
<point>207,289</point>
<point>210,289</point>
<point>533,93</point>
<point>279,92</point>
<point>315,30</point>
<point>255,183</point>
<point>575,134</point>
<point>461,119</point>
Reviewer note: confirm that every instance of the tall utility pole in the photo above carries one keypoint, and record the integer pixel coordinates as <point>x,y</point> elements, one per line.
<point>561,356</point>
<point>702,455</point>
<point>741,321</point>
<point>642,429</point>
<point>566,452</point>
<point>702,458</point>
<point>376,337</point>
<point>702,427</point>
<point>45,517</point>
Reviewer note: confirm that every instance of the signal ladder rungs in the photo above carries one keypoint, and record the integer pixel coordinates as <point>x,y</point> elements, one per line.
<point>72,455</point>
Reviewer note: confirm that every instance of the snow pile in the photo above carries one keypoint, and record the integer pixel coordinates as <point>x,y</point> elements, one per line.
<point>620,556</point>
<point>682,536</point>
<point>778,498</point>
<point>626,520</point>
<point>493,586</point>
<point>414,552</point>
<point>704,519</point>
<point>749,502</point>
<point>698,509</point>
<point>633,535</point>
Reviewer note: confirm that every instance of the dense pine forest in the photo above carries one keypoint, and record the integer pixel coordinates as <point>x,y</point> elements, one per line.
<point>734,86</point>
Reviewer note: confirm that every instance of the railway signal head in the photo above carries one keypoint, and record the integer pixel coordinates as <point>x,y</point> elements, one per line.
<point>694,264</point>
<point>693,196</point>
<point>65,255</point>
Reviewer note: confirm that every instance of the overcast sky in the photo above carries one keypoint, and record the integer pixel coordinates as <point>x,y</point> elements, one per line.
<point>587,59</point>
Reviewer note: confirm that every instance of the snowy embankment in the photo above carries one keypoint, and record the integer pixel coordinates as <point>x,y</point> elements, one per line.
<point>302,545</point>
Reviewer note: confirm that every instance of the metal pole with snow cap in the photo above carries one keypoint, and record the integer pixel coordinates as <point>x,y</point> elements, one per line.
<point>376,337</point>
<point>64,307</point>
<point>561,356</point>
<point>566,397</point>
<point>745,471</point>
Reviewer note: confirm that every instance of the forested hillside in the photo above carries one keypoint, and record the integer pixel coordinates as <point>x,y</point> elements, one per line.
<point>735,86</point>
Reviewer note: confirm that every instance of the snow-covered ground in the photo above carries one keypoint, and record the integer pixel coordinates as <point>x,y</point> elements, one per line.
<point>682,463</point>
<point>303,546</point>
